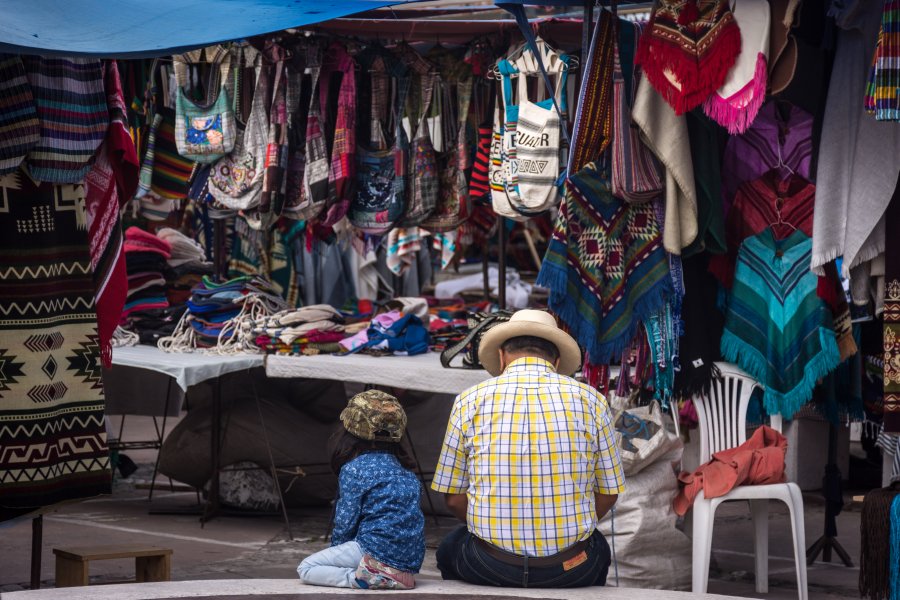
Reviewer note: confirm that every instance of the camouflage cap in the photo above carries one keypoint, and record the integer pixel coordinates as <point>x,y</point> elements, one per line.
<point>374,415</point>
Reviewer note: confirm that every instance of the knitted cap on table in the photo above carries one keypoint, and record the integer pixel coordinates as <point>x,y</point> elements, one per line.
<point>138,240</point>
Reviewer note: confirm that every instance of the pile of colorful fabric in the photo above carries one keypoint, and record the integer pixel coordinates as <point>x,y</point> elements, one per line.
<point>145,263</point>
<point>219,314</point>
<point>390,333</point>
<point>187,265</point>
<point>309,330</point>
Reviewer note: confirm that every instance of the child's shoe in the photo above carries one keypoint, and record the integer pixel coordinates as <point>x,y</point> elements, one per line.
<point>373,574</point>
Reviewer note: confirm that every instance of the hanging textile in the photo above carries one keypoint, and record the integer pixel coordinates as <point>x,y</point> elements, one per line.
<point>698,348</point>
<point>891,318</point>
<point>882,96</point>
<point>605,266</point>
<point>876,530</point>
<point>773,139</point>
<point>734,105</point>
<point>857,169</point>
<point>71,107</point>
<point>666,135</point>
<point>593,116</point>
<point>776,328</point>
<point>707,143</point>
<point>340,130</point>
<point>756,206</point>
<point>688,49</point>
<point>109,184</point>
<point>51,394</point>
<point>18,115</point>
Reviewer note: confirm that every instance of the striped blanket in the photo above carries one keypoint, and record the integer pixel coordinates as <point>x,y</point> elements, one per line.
<point>605,267</point>
<point>882,97</point>
<point>776,327</point>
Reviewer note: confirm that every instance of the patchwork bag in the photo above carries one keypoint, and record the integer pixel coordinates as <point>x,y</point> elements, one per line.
<point>453,207</point>
<point>636,175</point>
<point>236,180</point>
<point>479,324</point>
<point>204,133</point>
<point>20,129</point>
<point>70,100</point>
<point>423,186</point>
<point>341,174</point>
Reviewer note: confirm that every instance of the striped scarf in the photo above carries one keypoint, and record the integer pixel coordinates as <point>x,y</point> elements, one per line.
<point>688,49</point>
<point>776,327</point>
<point>605,267</point>
<point>71,106</point>
<point>882,98</point>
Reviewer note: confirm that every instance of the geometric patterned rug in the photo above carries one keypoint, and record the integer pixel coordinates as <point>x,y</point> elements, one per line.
<point>52,433</point>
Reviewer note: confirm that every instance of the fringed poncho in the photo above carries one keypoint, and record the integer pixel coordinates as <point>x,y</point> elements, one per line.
<point>776,327</point>
<point>605,267</point>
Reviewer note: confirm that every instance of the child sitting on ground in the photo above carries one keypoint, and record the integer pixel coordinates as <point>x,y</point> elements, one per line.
<point>378,540</point>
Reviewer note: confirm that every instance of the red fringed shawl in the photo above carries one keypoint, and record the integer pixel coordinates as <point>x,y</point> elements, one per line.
<point>688,49</point>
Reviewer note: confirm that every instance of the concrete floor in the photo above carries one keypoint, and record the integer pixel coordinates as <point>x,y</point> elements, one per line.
<point>257,547</point>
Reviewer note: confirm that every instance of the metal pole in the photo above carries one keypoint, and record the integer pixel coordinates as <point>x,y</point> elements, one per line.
<point>37,541</point>
<point>501,264</point>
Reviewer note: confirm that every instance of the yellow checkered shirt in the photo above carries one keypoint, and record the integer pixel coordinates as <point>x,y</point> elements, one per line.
<point>530,448</point>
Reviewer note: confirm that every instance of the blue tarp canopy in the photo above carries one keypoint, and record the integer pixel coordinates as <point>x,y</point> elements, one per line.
<point>144,28</point>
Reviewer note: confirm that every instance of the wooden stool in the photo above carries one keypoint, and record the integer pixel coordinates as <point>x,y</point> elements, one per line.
<point>152,563</point>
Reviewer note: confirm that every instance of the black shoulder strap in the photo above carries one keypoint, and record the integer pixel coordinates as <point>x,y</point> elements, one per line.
<point>456,349</point>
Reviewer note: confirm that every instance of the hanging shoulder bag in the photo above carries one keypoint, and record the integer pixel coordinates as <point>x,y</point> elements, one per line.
<point>204,133</point>
<point>423,186</point>
<point>381,174</point>
<point>236,179</point>
<point>636,175</point>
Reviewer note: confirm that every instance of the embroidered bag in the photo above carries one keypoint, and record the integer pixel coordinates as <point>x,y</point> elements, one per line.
<point>204,133</point>
<point>20,129</point>
<point>636,173</point>
<point>236,179</point>
<point>307,200</point>
<point>381,174</point>
<point>423,187</point>
<point>271,203</point>
<point>70,100</point>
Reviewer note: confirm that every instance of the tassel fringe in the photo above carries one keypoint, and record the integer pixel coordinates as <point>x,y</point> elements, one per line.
<point>784,403</point>
<point>737,112</point>
<point>699,77</point>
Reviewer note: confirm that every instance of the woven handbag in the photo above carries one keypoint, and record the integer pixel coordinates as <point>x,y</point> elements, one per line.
<point>453,206</point>
<point>423,187</point>
<point>236,180</point>
<point>20,129</point>
<point>204,133</point>
<point>381,173</point>
<point>70,99</point>
<point>479,324</point>
<point>636,175</point>
<point>342,168</point>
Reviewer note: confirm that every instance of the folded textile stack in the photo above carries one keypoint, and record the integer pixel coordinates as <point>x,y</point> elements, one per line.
<point>219,315</point>
<point>187,264</point>
<point>145,263</point>
<point>315,329</point>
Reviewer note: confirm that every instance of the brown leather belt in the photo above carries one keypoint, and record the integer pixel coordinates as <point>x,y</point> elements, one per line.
<point>533,561</point>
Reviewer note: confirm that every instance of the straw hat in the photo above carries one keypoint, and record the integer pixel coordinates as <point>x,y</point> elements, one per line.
<point>536,323</point>
<point>783,50</point>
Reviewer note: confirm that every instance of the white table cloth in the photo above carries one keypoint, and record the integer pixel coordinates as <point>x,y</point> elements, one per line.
<point>186,369</point>
<point>423,372</point>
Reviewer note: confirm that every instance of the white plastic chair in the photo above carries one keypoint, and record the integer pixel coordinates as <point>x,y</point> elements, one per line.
<point>723,425</point>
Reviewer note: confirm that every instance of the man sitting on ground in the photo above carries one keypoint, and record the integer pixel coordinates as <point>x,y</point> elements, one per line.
<point>529,464</point>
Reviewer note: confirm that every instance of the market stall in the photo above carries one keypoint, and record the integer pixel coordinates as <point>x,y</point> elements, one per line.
<point>347,200</point>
